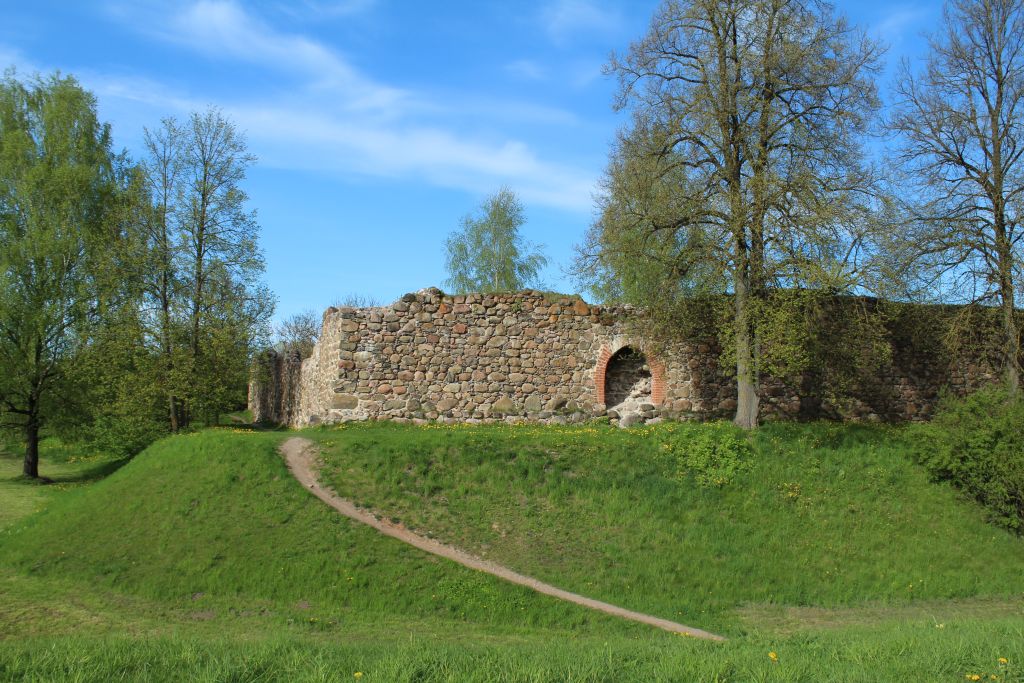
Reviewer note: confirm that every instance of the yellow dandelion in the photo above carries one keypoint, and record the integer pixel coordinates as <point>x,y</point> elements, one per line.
<point>358,674</point>
<point>974,677</point>
<point>1003,660</point>
<point>773,656</point>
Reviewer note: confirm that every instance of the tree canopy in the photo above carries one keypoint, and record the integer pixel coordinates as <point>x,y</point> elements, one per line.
<point>58,201</point>
<point>741,171</point>
<point>488,254</point>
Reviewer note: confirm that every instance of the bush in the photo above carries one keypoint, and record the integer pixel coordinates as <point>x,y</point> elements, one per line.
<point>977,444</point>
<point>712,453</point>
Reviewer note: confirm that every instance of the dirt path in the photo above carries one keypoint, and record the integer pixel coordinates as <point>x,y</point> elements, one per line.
<point>301,457</point>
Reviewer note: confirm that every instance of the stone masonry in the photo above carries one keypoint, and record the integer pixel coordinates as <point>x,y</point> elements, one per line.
<point>533,356</point>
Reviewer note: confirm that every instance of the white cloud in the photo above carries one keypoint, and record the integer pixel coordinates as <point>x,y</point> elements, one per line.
<point>223,29</point>
<point>564,18</point>
<point>291,138</point>
<point>320,9</point>
<point>898,21</point>
<point>526,69</point>
<point>339,120</point>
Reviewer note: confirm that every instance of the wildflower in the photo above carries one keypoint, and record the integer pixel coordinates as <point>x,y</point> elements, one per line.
<point>773,656</point>
<point>358,674</point>
<point>973,677</point>
<point>1003,660</point>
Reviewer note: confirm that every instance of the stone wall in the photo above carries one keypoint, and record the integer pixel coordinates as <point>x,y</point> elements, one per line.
<point>274,387</point>
<point>531,356</point>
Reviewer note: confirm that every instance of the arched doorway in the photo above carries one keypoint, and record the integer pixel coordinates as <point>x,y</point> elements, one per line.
<point>627,379</point>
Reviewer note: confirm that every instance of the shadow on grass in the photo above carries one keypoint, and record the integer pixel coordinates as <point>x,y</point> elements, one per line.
<point>94,473</point>
<point>91,474</point>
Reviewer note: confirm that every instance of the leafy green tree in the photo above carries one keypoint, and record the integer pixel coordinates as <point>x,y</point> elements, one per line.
<point>741,172</point>
<point>58,204</point>
<point>961,125</point>
<point>205,309</point>
<point>162,282</point>
<point>488,254</point>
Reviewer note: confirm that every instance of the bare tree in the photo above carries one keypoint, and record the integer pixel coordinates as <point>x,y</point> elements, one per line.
<point>300,332</point>
<point>962,133</point>
<point>741,171</point>
<point>356,300</point>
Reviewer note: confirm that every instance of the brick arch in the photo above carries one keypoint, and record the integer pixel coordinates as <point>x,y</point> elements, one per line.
<point>601,372</point>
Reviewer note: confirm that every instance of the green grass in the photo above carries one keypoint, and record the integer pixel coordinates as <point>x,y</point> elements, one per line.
<point>202,559</point>
<point>66,466</point>
<point>213,522</point>
<point>826,516</point>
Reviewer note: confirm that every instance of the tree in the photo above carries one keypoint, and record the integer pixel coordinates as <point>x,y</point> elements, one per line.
<point>961,124</point>
<point>211,309</point>
<point>58,194</point>
<point>488,254</point>
<point>741,171</point>
<point>356,300</point>
<point>300,332</point>
<point>163,166</point>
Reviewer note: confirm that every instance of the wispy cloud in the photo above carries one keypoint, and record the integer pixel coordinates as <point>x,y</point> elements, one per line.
<point>292,138</point>
<point>898,21</point>
<point>338,119</point>
<point>563,19</point>
<point>526,69</point>
<point>321,9</point>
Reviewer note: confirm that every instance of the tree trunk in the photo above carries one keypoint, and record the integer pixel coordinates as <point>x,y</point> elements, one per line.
<point>747,401</point>
<point>31,467</point>
<point>172,410</point>
<point>1012,360</point>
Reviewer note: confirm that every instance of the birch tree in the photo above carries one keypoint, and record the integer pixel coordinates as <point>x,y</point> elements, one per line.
<point>58,189</point>
<point>488,254</point>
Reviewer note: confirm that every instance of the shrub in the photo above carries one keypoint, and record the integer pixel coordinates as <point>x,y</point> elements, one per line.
<point>977,444</point>
<point>712,453</point>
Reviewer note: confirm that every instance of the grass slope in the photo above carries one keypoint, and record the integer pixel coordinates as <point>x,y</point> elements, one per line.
<point>827,516</point>
<point>213,521</point>
<point>203,560</point>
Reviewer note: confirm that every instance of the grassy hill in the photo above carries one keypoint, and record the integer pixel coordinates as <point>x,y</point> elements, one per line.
<point>825,516</point>
<point>202,559</point>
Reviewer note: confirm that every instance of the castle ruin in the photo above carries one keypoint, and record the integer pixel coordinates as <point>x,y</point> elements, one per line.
<point>538,357</point>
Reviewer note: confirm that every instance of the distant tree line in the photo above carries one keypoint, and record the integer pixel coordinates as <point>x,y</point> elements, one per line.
<point>130,290</point>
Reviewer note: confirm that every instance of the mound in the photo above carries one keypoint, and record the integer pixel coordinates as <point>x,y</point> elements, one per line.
<point>217,516</point>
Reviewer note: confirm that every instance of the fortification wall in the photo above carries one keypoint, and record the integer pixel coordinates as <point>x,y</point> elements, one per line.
<point>531,356</point>
<point>476,357</point>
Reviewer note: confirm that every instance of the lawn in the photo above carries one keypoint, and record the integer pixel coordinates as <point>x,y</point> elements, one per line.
<point>201,559</point>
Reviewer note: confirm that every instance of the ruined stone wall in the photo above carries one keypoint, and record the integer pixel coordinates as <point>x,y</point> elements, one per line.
<point>473,357</point>
<point>531,356</point>
<point>274,389</point>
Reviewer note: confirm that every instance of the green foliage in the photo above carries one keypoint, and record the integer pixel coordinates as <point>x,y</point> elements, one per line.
<point>720,186</point>
<point>487,254</point>
<point>60,187</point>
<point>712,454</point>
<point>977,444</point>
<point>202,277</point>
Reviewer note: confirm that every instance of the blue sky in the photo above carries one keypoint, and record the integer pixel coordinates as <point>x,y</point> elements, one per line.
<point>378,124</point>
